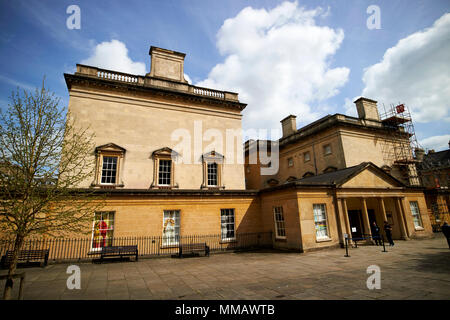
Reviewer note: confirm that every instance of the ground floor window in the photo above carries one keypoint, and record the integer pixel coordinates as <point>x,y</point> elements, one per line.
<point>171,227</point>
<point>280,230</point>
<point>320,220</point>
<point>227,224</point>
<point>415,213</point>
<point>102,230</point>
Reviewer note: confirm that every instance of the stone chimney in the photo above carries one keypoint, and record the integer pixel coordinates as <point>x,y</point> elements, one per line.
<point>167,64</point>
<point>289,125</point>
<point>419,152</point>
<point>367,109</point>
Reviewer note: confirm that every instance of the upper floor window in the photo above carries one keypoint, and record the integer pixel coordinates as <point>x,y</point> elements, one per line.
<point>109,160</point>
<point>290,162</point>
<point>212,174</point>
<point>163,168</point>
<point>307,156</point>
<point>164,173</point>
<point>109,170</point>
<point>327,149</point>
<point>212,170</point>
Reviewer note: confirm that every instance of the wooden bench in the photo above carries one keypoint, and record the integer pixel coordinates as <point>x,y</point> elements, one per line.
<point>26,256</point>
<point>193,248</point>
<point>119,251</point>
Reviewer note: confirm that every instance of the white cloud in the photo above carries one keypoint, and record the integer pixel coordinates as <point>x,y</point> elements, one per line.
<point>436,142</point>
<point>113,55</point>
<point>187,78</point>
<point>279,62</point>
<point>416,71</point>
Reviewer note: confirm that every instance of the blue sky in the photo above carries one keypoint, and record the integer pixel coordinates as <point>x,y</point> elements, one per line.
<point>323,76</point>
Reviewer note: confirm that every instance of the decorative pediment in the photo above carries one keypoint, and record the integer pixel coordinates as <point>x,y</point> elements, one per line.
<point>213,156</point>
<point>272,182</point>
<point>291,178</point>
<point>165,152</point>
<point>371,177</point>
<point>110,147</point>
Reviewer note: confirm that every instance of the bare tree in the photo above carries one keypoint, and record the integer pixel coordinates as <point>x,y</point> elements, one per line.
<point>43,159</point>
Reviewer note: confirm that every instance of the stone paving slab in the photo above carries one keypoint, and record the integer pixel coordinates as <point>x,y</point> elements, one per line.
<point>415,269</point>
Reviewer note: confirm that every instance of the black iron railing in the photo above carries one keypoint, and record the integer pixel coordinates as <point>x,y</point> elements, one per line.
<point>77,249</point>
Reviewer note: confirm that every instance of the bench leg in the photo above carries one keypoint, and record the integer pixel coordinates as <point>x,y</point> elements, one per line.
<point>137,256</point>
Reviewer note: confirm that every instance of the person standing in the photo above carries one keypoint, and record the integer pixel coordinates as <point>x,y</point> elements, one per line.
<point>388,232</point>
<point>446,231</point>
<point>376,233</point>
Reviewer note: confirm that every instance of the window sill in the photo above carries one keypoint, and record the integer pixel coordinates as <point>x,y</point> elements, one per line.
<point>324,240</point>
<point>227,241</point>
<point>279,239</point>
<point>419,228</point>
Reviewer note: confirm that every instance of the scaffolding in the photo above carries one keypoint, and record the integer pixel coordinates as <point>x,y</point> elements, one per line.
<point>401,142</point>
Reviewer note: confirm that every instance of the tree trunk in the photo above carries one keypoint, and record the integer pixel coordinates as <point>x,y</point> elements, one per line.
<point>12,267</point>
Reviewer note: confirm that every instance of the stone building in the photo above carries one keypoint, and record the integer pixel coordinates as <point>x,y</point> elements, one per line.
<point>159,158</point>
<point>434,172</point>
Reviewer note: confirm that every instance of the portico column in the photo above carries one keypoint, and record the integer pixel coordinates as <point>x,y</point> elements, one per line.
<point>347,221</point>
<point>366,218</point>
<point>405,221</point>
<point>383,209</point>
<point>401,222</point>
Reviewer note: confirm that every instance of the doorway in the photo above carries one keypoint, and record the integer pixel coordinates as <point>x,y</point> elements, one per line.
<point>356,225</point>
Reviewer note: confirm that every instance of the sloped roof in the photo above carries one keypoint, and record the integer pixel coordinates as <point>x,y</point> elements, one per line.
<point>335,178</point>
<point>341,176</point>
<point>436,159</point>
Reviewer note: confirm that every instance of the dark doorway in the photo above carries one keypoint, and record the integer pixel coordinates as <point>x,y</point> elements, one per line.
<point>356,225</point>
<point>372,217</point>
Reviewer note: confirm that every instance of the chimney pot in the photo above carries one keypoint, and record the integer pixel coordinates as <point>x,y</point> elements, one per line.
<point>289,125</point>
<point>167,64</point>
<point>367,109</point>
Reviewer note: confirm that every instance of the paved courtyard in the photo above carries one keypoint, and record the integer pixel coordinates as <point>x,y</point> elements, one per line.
<point>416,269</point>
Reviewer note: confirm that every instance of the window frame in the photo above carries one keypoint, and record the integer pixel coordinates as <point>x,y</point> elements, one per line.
<point>325,148</point>
<point>218,159</point>
<point>164,154</point>
<point>227,239</point>
<point>413,214</point>
<point>322,238</point>
<point>103,156</point>
<point>108,150</point>
<point>290,161</point>
<point>216,178</point>
<point>278,223</point>
<point>177,228</point>
<point>304,156</point>
<point>169,173</point>
<point>111,228</point>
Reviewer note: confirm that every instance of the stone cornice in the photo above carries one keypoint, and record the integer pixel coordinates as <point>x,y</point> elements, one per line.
<point>154,86</point>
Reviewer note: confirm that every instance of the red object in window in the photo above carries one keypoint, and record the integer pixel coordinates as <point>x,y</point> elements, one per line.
<point>103,227</point>
<point>437,182</point>
<point>400,108</point>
